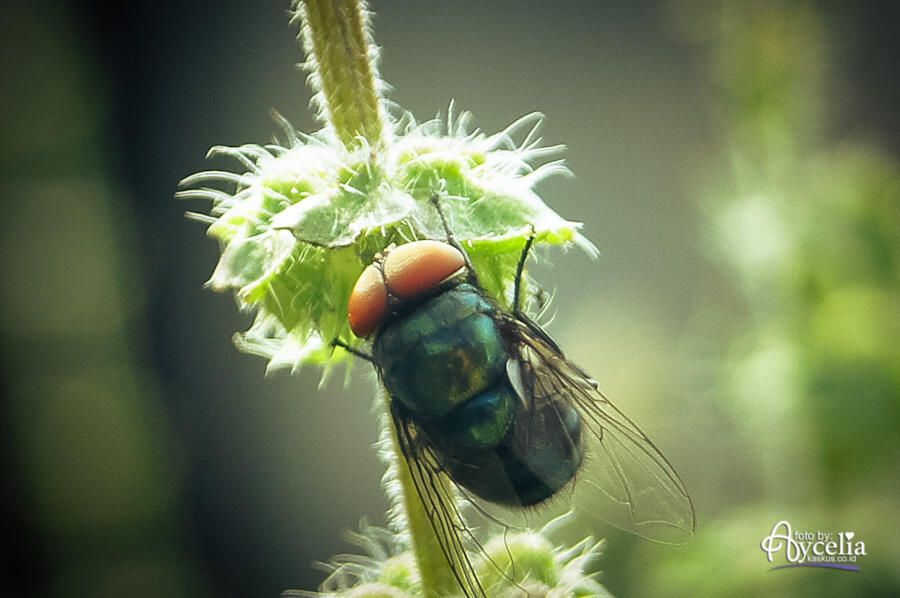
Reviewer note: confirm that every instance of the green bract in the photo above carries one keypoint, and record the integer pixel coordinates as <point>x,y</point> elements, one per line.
<point>305,219</point>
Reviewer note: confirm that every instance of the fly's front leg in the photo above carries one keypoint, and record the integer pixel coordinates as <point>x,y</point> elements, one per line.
<point>520,269</point>
<point>471,275</point>
<point>361,354</point>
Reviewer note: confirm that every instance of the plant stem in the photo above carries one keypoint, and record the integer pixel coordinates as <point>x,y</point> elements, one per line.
<point>336,42</point>
<point>435,575</point>
<point>335,34</point>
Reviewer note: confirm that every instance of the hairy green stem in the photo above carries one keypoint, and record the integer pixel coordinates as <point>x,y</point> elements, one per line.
<point>435,575</point>
<point>335,36</point>
<point>336,41</point>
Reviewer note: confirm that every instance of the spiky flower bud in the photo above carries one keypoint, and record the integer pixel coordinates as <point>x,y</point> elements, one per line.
<point>519,565</point>
<point>303,219</point>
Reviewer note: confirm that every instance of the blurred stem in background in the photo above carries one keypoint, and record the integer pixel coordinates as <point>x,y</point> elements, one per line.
<point>83,425</point>
<point>807,226</point>
<point>766,65</point>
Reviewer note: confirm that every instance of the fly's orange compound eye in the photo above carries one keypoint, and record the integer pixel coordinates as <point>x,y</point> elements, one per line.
<point>420,266</point>
<point>368,302</point>
<point>409,270</point>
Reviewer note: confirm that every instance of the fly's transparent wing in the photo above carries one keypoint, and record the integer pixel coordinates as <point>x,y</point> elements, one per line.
<point>625,480</point>
<point>439,502</point>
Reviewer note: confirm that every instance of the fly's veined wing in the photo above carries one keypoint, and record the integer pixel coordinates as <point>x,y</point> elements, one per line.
<point>439,502</point>
<point>625,480</point>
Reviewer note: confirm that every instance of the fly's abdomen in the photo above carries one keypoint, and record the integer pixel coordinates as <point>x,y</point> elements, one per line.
<point>539,455</point>
<point>481,422</point>
<point>443,354</point>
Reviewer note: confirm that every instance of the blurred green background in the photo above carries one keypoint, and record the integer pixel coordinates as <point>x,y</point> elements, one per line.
<point>736,163</point>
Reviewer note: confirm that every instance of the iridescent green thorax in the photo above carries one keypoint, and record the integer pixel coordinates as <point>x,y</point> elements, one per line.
<point>446,351</point>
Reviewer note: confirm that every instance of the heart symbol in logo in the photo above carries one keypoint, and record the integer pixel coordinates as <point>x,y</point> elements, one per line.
<point>849,535</point>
